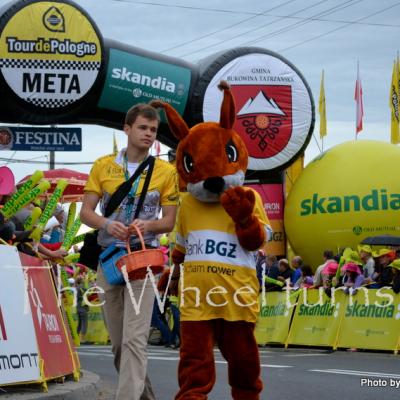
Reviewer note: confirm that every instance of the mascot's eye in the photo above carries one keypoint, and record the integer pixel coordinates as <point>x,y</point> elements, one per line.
<point>231,152</point>
<point>188,163</point>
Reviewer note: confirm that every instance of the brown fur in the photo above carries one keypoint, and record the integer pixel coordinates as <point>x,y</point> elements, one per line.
<point>206,144</point>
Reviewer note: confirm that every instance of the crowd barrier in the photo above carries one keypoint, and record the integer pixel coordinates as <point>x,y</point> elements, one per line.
<point>97,332</point>
<point>368,319</point>
<point>35,344</point>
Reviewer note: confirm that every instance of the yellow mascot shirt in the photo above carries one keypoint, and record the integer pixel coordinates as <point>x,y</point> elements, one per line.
<point>219,277</point>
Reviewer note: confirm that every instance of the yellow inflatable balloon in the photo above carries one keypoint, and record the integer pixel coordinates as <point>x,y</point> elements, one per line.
<point>346,194</point>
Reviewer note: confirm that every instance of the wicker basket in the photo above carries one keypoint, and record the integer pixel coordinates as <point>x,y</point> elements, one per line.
<point>136,262</point>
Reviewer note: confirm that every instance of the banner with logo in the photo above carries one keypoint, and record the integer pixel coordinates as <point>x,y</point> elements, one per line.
<point>50,53</point>
<point>274,106</point>
<point>133,79</point>
<point>96,331</point>
<point>19,356</point>
<point>40,139</point>
<point>371,320</point>
<point>274,318</point>
<point>54,346</point>
<point>317,317</point>
<point>274,204</point>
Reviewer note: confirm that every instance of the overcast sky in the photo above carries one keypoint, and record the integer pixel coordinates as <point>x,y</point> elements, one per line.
<point>312,34</point>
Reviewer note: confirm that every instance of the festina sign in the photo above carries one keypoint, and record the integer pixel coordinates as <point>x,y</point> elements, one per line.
<point>40,139</point>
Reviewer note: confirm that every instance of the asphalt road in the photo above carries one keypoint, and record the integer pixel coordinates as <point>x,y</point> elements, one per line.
<point>288,374</point>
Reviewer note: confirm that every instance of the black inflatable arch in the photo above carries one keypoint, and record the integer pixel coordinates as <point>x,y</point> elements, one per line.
<point>59,70</point>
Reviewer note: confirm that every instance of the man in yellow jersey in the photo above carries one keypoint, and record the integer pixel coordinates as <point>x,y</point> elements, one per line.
<point>128,329</point>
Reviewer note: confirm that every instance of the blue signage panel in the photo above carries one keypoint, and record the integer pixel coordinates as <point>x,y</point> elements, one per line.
<point>40,139</point>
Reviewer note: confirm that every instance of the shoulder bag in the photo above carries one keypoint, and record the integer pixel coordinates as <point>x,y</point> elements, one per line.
<point>90,251</point>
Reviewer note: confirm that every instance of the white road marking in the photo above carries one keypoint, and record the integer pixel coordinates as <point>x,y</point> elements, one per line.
<point>356,373</point>
<point>91,353</point>
<point>305,355</point>
<point>174,357</point>
<point>262,365</point>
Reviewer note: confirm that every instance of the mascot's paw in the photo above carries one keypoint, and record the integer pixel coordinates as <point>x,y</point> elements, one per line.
<point>163,281</point>
<point>177,257</point>
<point>238,203</point>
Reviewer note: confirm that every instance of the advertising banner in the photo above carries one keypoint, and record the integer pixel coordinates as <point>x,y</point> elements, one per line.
<point>273,200</point>
<point>50,330</point>
<point>40,139</point>
<point>50,54</point>
<point>371,321</point>
<point>133,79</point>
<point>274,319</point>
<point>19,358</point>
<point>274,107</point>
<point>96,331</point>
<point>317,318</point>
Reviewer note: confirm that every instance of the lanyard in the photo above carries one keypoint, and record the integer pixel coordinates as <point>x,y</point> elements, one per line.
<point>132,192</point>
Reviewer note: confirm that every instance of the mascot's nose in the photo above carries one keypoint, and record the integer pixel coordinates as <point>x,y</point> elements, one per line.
<point>214,184</point>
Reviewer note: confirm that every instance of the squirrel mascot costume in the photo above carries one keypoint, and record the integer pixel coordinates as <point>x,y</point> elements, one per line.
<point>220,224</point>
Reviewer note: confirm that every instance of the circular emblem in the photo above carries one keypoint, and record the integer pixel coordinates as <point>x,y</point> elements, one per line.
<point>137,92</point>
<point>6,138</point>
<point>274,107</point>
<point>50,54</point>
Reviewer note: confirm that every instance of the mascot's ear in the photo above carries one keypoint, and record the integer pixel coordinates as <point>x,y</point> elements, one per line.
<point>175,121</point>
<point>227,117</point>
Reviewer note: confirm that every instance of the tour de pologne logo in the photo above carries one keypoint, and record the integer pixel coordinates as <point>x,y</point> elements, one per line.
<point>50,56</point>
<point>53,20</point>
<point>264,118</point>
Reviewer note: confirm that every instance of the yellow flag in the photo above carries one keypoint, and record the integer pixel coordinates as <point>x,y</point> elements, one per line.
<point>322,109</point>
<point>394,105</point>
<point>115,146</point>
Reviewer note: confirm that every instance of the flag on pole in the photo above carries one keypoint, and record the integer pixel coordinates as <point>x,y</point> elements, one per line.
<point>115,146</point>
<point>359,102</point>
<point>322,109</point>
<point>394,105</point>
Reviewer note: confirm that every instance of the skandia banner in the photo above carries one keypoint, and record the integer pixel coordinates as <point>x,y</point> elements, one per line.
<point>343,196</point>
<point>371,320</point>
<point>135,79</point>
<point>19,355</point>
<point>274,106</point>
<point>50,53</point>
<point>40,139</point>
<point>317,318</point>
<point>274,319</point>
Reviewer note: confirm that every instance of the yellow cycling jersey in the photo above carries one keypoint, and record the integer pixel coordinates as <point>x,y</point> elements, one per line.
<point>108,173</point>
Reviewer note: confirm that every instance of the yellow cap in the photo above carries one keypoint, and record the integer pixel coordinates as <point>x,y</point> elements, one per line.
<point>395,264</point>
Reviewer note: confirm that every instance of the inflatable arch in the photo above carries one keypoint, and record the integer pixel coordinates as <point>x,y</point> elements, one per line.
<point>56,68</point>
